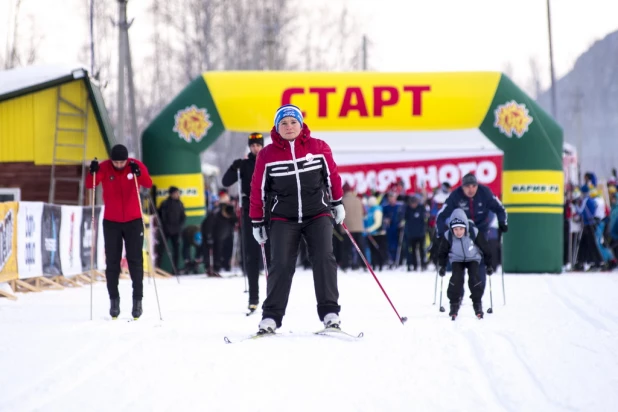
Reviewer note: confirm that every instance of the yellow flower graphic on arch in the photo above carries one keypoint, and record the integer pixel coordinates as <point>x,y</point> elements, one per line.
<point>192,123</point>
<point>512,118</point>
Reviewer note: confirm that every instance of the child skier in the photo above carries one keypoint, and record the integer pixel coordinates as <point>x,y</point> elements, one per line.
<point>465,246</point>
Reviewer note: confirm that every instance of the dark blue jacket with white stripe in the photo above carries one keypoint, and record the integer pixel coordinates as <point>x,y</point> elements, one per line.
<point>477,208</point>
<point>300,178</point>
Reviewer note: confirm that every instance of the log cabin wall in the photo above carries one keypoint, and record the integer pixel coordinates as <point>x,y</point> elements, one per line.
<point>34,181</point>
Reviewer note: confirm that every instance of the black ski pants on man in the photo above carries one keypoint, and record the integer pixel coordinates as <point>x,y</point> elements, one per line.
<point>350,258</point>
<point>414,244</point>
<point>285,237</point>
<point>456,284</point>
<point>133,235</point>
<point>175,247</point>
<point>252,255</point>
<point>378,246</point>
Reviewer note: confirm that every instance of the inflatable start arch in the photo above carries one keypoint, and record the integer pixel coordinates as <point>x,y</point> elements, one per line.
<point>386,117</point>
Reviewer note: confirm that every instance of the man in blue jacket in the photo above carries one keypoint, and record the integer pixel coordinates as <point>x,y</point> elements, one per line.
<point>477,201</point>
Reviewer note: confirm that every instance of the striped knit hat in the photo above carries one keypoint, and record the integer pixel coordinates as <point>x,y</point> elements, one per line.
<point>457,223</point>
<point>288,110</point>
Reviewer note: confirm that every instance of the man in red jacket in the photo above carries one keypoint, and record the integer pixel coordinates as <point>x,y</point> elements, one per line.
<point>122,220</point>
<point>299,174</point>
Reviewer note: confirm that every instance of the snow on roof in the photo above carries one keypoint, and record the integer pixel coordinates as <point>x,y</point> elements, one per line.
<point>25,77</point>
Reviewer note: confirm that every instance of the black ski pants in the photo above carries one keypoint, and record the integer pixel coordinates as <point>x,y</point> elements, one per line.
<point>456,283</point>
<point>252,255</point>
<point>212,256</point>
<point>378,247</point>
<point>175,239</point>
<point>350,258</point>
<point>133,235</point>
<point>588,251</point>
<point>414,244</point>
<point>285,237</point>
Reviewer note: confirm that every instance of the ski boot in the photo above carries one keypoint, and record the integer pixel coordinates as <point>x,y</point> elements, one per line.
<point>478,309</point>
<point>137,309</point>
<point>454,309</point>
<point>267,326</point>
<point>252,308</point>
<point>332,321</point>
<point>114,308</point>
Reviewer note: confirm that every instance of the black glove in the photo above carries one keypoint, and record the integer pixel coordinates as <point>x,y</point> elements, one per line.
<point>442,271</point>
<point>236,164</point>
<point>135,169</point>
<point>94,166</point>
<point>490,270</point>
<point>503,227</point>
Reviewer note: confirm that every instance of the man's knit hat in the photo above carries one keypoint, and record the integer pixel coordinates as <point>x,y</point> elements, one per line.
<point>288,110</point>
<point>119,153</point>
<point>256,138</point>
<point>469,179</point>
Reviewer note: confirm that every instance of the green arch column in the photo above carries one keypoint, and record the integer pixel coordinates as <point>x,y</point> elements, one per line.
<point>532,183</point>
<point>172,144</point>
<point>171,147</point>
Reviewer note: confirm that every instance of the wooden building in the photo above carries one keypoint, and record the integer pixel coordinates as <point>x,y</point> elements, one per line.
<point>53,122</point>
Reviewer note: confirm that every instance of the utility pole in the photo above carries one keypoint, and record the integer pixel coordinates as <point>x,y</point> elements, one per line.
<point>125,68</point>
<point>271,31</point>
<point>364,52</point>
<point>577,111</point>
<point>554,110</point>
<point>92,37</point>
<point>122,26</point>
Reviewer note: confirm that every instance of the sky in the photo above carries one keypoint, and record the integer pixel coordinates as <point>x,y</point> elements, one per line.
<point>404,35</point>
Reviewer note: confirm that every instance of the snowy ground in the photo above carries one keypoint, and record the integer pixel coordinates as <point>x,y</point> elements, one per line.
<point>553,347</point>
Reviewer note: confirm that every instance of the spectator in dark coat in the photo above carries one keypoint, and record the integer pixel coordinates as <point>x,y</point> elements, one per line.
<point>172,213</point>
<point>217,229</point>
<point>415,230</point>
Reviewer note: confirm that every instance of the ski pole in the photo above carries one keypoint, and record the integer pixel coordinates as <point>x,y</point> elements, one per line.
<point>163,238</point>
<point>149,263</point>
<point>240,226</point>
<point>264,261</point>
<point>501,269</point>
<point>401,319</point>
<point>94,181</point>
<point>491,299</point>
<point>373,242</point>
<point>503,292</point>
<point>435,288</point>
<point>441,283</point>
<point>211,260</point>
<point>399,247</point>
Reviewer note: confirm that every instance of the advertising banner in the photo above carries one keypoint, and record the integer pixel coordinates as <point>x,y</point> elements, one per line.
<point>88,235</point>
<point>50,240</point>
<point>8,241</point>
<point>431,173</point>
<point>29,246</point>
<point>351,101</point>
<point>70,240</point>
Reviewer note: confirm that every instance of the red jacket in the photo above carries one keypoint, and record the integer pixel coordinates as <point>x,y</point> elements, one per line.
<point>301,184</point>
<point>120,197</point>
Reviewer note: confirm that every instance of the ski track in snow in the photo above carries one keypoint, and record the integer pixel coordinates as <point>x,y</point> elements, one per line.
<point>552,348</point>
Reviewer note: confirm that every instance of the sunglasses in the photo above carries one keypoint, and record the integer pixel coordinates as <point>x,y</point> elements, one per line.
<point>255,136</point>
